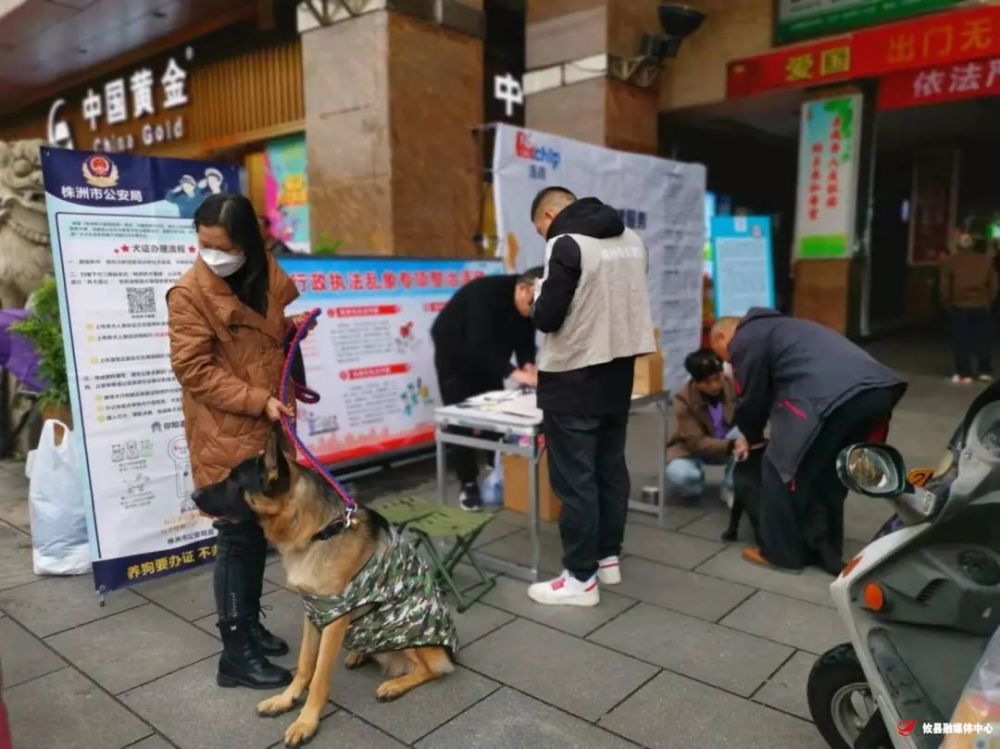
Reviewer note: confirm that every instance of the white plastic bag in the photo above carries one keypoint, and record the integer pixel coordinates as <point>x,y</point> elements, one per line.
<point>491,490</point>
<point>58,517</point>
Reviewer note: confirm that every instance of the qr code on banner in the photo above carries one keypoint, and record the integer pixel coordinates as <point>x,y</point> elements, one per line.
<point>141,301</point>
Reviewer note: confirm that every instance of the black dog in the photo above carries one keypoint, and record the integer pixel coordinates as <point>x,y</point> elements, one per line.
<point>746,494</point>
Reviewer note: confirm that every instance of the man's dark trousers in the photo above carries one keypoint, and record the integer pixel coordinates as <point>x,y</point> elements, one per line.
<point>972,335</point>
<point>456,388</point>
<point>803,523</point>
<point>589,474</point>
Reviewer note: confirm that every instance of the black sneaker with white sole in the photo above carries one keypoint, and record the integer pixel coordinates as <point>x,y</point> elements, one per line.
<point>469,499</point>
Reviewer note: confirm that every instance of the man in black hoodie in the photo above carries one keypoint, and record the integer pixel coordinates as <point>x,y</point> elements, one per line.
<point>482,327</point>
<point>593,306</point>
<point>820,393</point>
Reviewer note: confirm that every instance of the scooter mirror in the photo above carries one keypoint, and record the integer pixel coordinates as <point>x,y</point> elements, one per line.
<point>875,470</point>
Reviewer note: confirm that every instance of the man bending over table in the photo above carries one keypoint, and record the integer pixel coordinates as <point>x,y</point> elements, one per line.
<point>476,335</point>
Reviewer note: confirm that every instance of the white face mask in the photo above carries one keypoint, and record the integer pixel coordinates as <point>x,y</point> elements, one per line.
<point>222,263</point>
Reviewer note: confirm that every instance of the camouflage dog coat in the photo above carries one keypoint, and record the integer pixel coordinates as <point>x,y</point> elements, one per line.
<point>407,611</point>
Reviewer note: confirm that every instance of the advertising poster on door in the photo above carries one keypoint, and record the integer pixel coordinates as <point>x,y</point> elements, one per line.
<point>934,205</point>
<point>286,197</point>
<point>662,200</point>
<point>743,264</point>
<point>371,357</point>
<point>828,177</point>
<point>121,237</point>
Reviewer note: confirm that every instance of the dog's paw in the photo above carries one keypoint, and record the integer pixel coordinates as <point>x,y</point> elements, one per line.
<point>355,660</point>
<point>301,732</point>
<point>275,706</point>
<point>389,691</point>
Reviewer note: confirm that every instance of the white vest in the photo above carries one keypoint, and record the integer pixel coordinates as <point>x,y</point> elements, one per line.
<point>609,317</point>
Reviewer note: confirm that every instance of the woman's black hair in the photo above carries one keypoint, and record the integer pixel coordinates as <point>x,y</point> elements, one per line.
<point>702,364</point>
<point>236,215</point>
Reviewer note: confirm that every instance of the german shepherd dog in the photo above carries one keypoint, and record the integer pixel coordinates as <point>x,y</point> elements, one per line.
<point>305,520</point>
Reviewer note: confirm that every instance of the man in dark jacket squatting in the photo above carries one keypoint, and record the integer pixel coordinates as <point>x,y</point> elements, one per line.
<point>476,335</point>
<point>821,394</point>
<point>593,306</point>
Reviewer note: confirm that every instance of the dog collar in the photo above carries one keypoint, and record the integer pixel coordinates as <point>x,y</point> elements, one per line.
<point>333,528</point>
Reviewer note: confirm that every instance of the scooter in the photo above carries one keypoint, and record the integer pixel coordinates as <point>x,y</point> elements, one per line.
<point>922,600</point>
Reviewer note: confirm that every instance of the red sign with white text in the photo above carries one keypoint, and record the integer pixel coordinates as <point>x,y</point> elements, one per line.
<point>967,80</point>
<point>941,39</point>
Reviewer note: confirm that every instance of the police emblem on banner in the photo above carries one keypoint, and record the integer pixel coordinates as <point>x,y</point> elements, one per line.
<point>100,171</point>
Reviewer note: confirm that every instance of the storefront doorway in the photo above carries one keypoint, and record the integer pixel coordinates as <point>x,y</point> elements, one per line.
<point>937,168</point>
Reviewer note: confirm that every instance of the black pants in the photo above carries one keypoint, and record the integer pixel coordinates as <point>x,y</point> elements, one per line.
<point>455,388</point>
<point>972,335</point>
<point>747,491</point>
<point>803,523</point>
<point>239,570</point>
<point>588,473</point>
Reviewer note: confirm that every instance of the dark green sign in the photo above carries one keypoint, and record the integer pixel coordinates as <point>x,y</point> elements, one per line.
<point>807,19</point>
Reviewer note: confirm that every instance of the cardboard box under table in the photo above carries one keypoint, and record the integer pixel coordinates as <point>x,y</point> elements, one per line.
<point>515,487</point>
<point>648,378</point>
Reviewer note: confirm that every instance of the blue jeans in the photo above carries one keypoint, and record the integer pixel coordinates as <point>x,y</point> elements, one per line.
<point>686,476</point>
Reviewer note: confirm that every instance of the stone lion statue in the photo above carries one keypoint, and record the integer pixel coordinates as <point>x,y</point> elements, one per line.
<point>25,253</point>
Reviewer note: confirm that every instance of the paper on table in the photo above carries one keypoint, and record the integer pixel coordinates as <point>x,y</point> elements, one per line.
<point>525,404</point>
<point>510,402</point>
<point>492,397</point>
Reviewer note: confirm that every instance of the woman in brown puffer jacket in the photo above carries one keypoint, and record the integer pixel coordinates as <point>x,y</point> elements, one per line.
<point>227,330</point>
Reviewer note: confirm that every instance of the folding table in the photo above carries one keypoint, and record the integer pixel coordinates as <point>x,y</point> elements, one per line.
<point>514,429</point>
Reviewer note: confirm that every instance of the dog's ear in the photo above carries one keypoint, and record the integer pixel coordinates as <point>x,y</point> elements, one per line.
<point>285,446</point>
<point>275,468</point>
<point>271,451</point>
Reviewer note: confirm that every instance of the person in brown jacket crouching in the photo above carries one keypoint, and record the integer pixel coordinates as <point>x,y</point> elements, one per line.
<point>703,428</point>
<point>227,328</point>
<point>968,290</point>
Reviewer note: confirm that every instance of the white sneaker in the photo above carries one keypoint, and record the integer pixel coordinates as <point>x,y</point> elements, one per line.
<point>566,590</point>
<point>960,380</point>
<point>608,571</point>
<point>985,378</point>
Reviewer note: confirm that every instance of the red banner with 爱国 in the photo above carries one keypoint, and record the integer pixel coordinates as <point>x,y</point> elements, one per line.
<point>936,41</point>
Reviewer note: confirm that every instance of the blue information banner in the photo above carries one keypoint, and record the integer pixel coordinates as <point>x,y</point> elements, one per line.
<point>122,235</point>
<point>742,264</point>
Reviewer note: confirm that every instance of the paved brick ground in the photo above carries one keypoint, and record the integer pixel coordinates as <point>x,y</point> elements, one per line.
<point>695,648</point>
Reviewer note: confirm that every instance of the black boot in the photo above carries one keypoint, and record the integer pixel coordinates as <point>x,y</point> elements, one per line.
<point>267,642</point>
<point>239,580</point>
<point>243,665</point>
